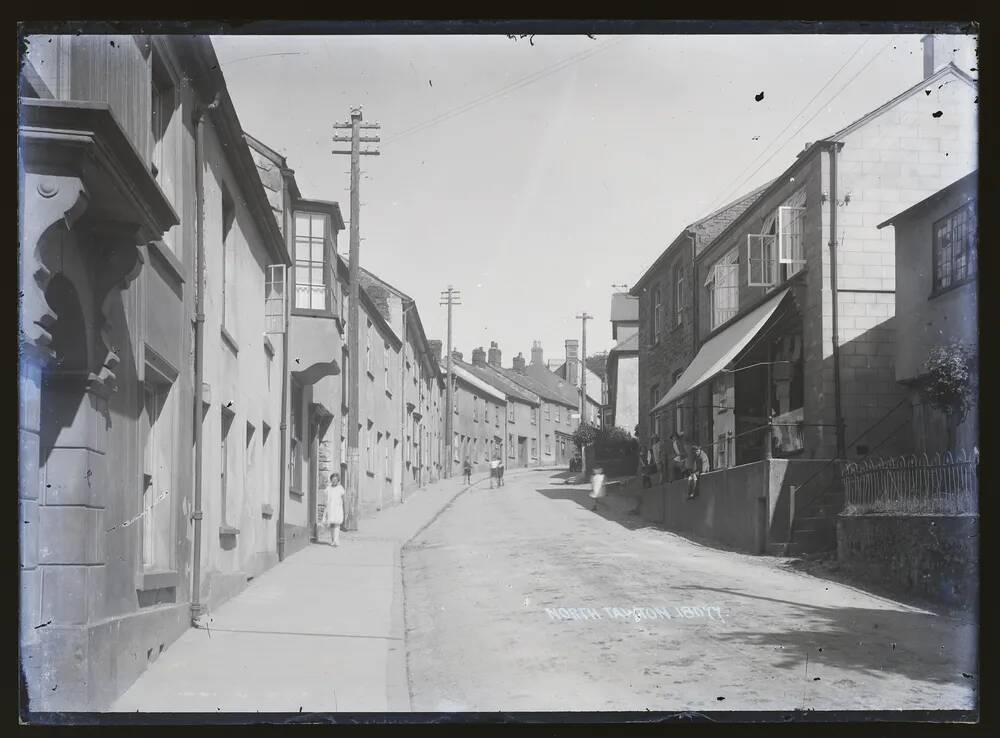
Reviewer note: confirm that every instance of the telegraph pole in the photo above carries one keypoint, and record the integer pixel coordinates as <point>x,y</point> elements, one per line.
<point>583,368</point>
<point>449,297</point>
<point>352,506</point>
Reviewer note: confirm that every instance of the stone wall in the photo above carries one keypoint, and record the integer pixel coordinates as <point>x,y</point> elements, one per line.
<point>932,556</point>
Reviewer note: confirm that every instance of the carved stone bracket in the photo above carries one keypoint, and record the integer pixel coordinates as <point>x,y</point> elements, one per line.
<point>118,262</point>
<point>49,201</point>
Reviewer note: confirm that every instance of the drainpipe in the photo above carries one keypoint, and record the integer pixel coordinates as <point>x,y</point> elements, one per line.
<point>833,147</point>
<point>402,406</point>
<point>199,349</point>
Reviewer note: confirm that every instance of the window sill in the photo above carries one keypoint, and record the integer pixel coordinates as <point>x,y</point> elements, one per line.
<point>295,494</point>
<point>169,260</point>
<point>150,579</point>
<point>229,340</point>
<point>950,288</point>
<point>266,511</point>
<point>228,530</point>
<point>370,474</point>
<point>311,313</point>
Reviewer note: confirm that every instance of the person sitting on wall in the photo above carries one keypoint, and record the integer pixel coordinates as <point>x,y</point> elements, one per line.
<point>699,465</point>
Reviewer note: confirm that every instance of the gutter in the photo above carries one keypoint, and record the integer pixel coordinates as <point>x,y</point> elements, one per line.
<point>197,608</point>
<point>283,426</point>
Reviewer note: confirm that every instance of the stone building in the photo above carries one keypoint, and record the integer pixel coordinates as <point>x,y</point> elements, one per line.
<point>137,188</point>
<point>523,407</point>
<point>418,457</point>
<point>795,339</point>
<point>937,244</point>
<point>479,418</point>
<point>316,320</point>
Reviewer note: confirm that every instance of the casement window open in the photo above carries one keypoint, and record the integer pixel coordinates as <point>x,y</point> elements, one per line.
<point>776,253</point>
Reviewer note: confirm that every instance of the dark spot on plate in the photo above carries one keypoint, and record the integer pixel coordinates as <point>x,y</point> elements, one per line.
<point>720,698</point>
<point>759,96</point>
<point>938,114</point>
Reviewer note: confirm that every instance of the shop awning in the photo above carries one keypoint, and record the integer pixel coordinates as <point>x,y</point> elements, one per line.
<point>721,349</point>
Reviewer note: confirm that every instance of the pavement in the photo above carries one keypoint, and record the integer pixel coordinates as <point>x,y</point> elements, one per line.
<point>320,632</point>
<point>524,599</point>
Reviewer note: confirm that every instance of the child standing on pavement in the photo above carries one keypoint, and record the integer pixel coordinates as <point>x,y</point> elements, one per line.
<point>495,470</point>
<point>467,469</point>
<point>597,486</point>
<point>333,515</point>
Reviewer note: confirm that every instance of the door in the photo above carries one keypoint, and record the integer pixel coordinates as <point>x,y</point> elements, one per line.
<point>522,450</point>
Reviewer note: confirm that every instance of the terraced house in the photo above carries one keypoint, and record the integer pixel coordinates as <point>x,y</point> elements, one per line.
<point>793,305</point>
<point>479,418</point>
<point>147,244</point>
<point>521,422</point>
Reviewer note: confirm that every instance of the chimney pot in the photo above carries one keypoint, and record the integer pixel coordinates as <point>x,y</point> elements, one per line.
<point>494,354</point>
<point>536,353</point>
<point>478,356</point>
<point>519,363</point>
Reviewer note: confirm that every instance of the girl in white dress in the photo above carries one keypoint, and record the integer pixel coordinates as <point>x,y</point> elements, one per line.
<point>333,515</point>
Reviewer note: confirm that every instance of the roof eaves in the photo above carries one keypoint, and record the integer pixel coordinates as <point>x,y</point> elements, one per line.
<point>943,192</point>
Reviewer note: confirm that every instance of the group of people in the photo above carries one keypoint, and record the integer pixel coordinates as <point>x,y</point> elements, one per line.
<point>689,461</point>
<point>496,470</point>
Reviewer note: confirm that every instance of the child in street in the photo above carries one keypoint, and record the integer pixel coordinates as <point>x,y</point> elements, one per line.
<point>494,470</point>
<point>597,486</point>
<point>333,515</point>
<point>467,469</point>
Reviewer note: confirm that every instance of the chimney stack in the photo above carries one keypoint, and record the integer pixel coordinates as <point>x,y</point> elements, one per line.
<point>478,356</point>
<point>435,347</point>
<point>519,363</point>
<point>939,51</point>
<point>572,361</point>
<point>536,353</point>
<point>494,354</point>
<point>456,355</point>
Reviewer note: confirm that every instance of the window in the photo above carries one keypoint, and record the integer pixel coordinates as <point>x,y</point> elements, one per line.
<point>475,409</point>
<point>163,104</point>
<point>548,411</point>
<point>510,445</point>
<point>678,407</point>
<point>791,217</point>
<point>224,462</point>
<point>558,414</point>
<point>388,459</point>
<point>368,348</point>
<point>511,412</point>
<point>654,396</point>
<point>534,416</point>
<point>455,447</point>
<point>496,418</point>
<point>548,445</point>
<point>385,367</point>
<point>157,425</point>
<point>228,260</point>
<point>534,448</point>
<point>655,306</point>
<point>310,285</point>
<point>274,299</point>
<point>762,267</point>
<point>954,249</point>
<point>680,298</point>
<point>296,435</point>
<point>723,288</point>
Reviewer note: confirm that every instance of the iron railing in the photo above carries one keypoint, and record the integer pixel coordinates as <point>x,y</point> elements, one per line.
<point>945,483</point>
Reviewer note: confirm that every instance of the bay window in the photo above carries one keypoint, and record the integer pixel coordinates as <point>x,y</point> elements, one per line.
<point>310,272</point>
<point>954,248</point>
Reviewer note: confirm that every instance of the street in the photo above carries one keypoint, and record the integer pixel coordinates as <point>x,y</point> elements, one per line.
<point>522,598</point>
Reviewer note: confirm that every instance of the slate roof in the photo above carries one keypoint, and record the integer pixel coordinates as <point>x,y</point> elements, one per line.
<point>497,379</point>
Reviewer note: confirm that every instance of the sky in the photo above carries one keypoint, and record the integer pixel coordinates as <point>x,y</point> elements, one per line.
<point>533,178</point>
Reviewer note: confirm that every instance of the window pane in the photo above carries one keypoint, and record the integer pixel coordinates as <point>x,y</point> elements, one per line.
<point>301,226</point>
<point>318,226</point>
<point>317,251</point>
<point>318,298</point>
<point>301,274</point>
<point>301,296</point>
<point>302,252</point>
<point>317,275</point>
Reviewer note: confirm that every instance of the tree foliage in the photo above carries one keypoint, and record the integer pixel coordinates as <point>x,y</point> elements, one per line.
<point>949,382</point>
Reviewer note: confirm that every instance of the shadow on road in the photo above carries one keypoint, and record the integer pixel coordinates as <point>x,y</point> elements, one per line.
<point>917,645</point>
<point>616,508</point>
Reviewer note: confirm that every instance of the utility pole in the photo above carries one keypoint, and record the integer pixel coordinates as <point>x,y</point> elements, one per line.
<point>352,508</point>
<point>583,366</point>
<point>449,297</point>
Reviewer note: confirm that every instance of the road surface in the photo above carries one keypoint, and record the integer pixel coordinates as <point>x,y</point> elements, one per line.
<point>522,598</point>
